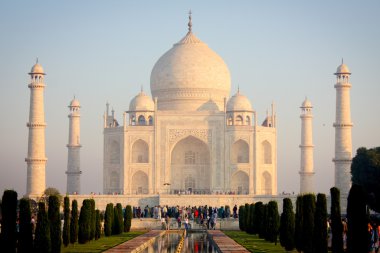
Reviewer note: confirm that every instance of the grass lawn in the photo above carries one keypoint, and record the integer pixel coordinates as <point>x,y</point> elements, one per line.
<point>102,244</point>
<point>254,244</point>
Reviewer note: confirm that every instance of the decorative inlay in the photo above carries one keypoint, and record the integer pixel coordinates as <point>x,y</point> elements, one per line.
<point>203,134</point>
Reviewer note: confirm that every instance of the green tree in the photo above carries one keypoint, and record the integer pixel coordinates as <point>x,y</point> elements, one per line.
<point>50,191</point>
<point>264,230</point>
<point>242,218</point>
<point>66,221</point>
<point>251,226</point>
<point>8,222</point>
<point>259,218</point>
<point>287,225</point>
<point>74,222</point>
<point>320,225</point>
<point>247,217</point>
<point>92,219</point>
<point>308,222</point>
<point>97,225</point>
<point>108,220</point>
<point>357,217</point>
<point>128,218</point>
<point>273,222</point>
<point>25,242</point>
<point>365,171</point>
<point>55,224</point>
<point>118,220</point>
<point>84,223</point>
<point>42,242</point>
<point>336,222</point>
<point>299,224</point>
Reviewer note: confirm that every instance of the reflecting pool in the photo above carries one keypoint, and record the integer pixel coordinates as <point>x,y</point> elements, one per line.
<point>193,242</point>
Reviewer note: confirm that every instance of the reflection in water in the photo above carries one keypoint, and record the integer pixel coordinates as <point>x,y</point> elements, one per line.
<point>194,242</point>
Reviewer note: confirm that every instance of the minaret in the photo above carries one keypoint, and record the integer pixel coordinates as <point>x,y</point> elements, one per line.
<point>343,125</point>
<point>73,162</point>
<point>36,159</point>
<point>307,161</point>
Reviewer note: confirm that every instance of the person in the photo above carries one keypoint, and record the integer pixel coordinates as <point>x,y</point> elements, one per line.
<point>163,224</point>
<point>186,223</point>
<point>179,222</point>
<point>167,220</point>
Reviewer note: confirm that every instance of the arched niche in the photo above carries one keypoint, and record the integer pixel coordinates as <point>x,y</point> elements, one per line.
<point>140,152</point>
<point>240,152</point>
<point>267,152</point>
<point>140,183</point>
<point>114,154</point>
<point>190,160</point>
<point>240,183</point>
<point>266,183</point>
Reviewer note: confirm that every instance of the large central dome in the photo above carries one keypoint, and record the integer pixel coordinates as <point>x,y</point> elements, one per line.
<point>189,75</point>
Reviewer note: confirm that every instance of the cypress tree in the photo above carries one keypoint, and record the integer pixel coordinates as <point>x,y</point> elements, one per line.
<point>97,224</point>
<point>336,222</point>
<point>74,222</point>
<point>25,242</point>
<point>120,217</point>
<point>320,225</point>
<point>273,222</point>
<point>299,224</point>
<point>55,224</point>
<point>251,226</point>
<point>265,222</point>
<point>117,227</point>
<point>128,218</point>
<point>357,216</point>
<point>42,242</point>
<point>66,221</point>
<point>287,225</point>
<point>259,218</point>
<point>8,222</point>
<point>242,218</point>
<point>108,220</point>
<point>92,219</point>
<point>84,223</point>
<point>247,217</point>
<point>308,222</point>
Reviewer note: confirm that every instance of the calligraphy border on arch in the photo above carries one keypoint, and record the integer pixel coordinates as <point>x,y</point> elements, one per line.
<point>203,134</point>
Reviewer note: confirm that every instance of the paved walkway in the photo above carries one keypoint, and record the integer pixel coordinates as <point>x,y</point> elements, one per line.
<point>138,243</point>
<point>224,243</point>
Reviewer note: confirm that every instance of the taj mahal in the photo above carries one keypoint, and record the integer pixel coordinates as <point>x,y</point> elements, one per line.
<point>190,137</point>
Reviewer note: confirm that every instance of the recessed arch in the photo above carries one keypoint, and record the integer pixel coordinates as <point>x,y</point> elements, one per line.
<point>247,120</point>
<point>240,152</point>
<point>240,183</point>
<point>140,183</point>
<point>266,183</point>
<point>140,152</point>
<point>266,152</point>
<point>141,120</point>
<point>190,160</point>
<point>150,120</point>
<point>114,152</point>
<point>239,120</point>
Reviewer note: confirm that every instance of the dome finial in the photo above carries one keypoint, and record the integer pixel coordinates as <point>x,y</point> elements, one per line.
<point>190,24</point>
<point>142,88</point>
<point>36,59</point>
<point>342,60</point>
<point>238,89</point>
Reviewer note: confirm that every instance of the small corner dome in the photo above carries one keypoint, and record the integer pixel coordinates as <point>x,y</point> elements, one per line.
<point>141,102</point>
<point>37,69</point>
<point>239,102</point>
<point>306,103</point>
<point>342,69</point>
<point>74,103</point>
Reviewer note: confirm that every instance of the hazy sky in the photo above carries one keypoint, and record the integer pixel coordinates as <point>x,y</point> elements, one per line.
<point>103,51</point>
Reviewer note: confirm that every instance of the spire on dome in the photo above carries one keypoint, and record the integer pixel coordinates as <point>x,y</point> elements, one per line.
<point>238,90</point>
<point>190,24</point>
<point>36,59</point>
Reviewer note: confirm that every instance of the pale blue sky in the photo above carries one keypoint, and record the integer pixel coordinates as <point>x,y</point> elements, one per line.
<point>105,50</point>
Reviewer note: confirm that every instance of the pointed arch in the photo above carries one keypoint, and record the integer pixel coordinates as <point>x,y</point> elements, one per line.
<point>240,183</point>
<point>247,120</point>
<point>140,183</point>
<point>266,183</point>
<point>190,166</point>
<point>114,152</point>
<point>267,152</point>
<point>150,120</point>
<point>141,120</point>
<point>140,152</point>
<point>240,152</point>
<point>239,120</point>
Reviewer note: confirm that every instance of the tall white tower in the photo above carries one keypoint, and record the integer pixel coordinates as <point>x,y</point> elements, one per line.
<point>307,160</point>
<point>36,159</point>
<point>73,162</point>
<point>343,125</point>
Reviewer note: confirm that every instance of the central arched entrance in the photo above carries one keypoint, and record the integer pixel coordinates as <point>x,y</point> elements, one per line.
<point>190,167</point>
